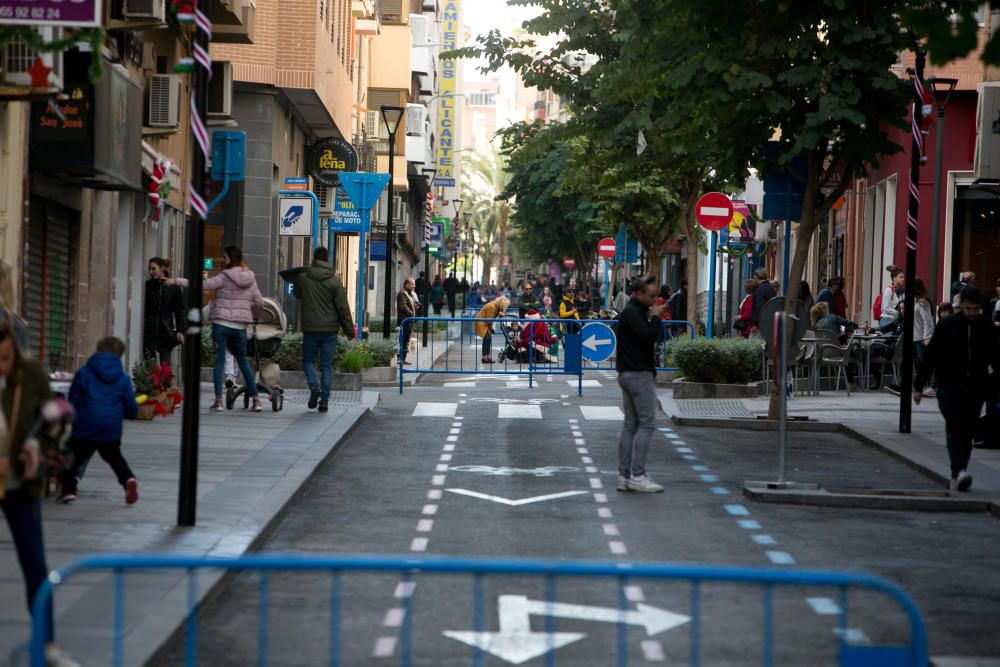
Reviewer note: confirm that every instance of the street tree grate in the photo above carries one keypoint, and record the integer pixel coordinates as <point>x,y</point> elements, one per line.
<point>713,408</point>
<point>341,398</point>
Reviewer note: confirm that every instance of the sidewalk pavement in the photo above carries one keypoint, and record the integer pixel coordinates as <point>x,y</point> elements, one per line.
<point>870,416</point>
<point>251,467</point>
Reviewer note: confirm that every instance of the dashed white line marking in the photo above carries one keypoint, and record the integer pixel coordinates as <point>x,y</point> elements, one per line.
<point>566,404</point>
<point>404,589</point>
<point>454,431</point>
<point>425,525</point>
<point>506,411</point>
<point>384,647</point>
<point>824,606</point>
<point>617,548</point>
<point>602,413</point>
<point>672,436</point>
<point>462,402</point>
<point>634,594</point>
<point>463,396</point>
<point>652,650</point>
<point>700,468</point>
<point>764,539</point>
<point>441,467</point>
<point>780,558</point>
<point>665,429</point>
<point>677,443</point>
<point>690,457</point>
<point>435,494</point>
<point>460,384</point>
<point>601,497</point>
<point>437,480</point>
<point>611,530</point>
<point>456,424</point>
<point>595,483</point>
<point>458,419</point>
<point>720,490</point>
<point>449,448</point>
<point>435,410</point>
<point>573,421</point>
<point>737,510</point>
<point>590,470</point>
<point>684,450</point>
<point>604,512</point>
<point>451,438</point>
<point>586,459</point>
<point>430,510</point>
<point>710,479</point>
<point>853,636</point>
<point>579,441</point>
<point>563,395</point>
<point>445,457</point>
<point>418,544</point>
<point>586,383</point>
<point>581,450</point>
<point>748,524</point>
<point>517,384</point>
<point>394,617</point>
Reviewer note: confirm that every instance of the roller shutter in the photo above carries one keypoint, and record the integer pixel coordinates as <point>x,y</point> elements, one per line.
<point>47,281</point>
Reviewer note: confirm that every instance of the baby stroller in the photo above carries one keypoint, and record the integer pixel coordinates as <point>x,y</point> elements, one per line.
<point>510,330</point>
<point>263,341</point>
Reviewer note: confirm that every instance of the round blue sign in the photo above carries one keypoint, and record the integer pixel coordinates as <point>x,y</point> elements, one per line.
<point>598,342</point>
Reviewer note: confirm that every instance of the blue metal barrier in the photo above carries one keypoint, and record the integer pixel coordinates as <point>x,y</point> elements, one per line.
<point>911,654</point>
<point>534,363</point>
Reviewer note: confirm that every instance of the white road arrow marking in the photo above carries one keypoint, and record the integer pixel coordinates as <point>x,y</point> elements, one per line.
<point>592,343</point>
<point>516,503</point>
<point>516,643</point>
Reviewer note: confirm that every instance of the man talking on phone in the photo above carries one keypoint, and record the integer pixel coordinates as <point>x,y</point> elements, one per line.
<point>638,331</point>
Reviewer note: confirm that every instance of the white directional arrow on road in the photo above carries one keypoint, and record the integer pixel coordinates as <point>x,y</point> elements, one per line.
<point>593,343</point>
<point>516,643</point>
<point>516,503</point>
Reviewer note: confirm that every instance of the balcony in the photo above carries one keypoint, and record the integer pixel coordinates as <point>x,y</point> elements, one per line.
<point>233,21</point>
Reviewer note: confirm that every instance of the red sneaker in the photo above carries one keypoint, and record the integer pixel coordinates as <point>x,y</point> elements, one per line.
<point>131,491</point>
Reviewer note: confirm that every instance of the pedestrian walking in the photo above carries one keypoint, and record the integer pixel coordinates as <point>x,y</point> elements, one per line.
<point>762,293</point>
<point>638,333</point>
<point>24,389</point>
<point>961,353</point>
<point>163,319</point>
<point>451,287</point>
<point>407,305</point>
<point>325,314</point>
<point>678,305</point>
<point>102,397</point>
<point>235,304</point>
<point>423,287</point>
<point>923,324</point>
<point>18,326</point>
<point>437,295</point>
<point>484,330</point>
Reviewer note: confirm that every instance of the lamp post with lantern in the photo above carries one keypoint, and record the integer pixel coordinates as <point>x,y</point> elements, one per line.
<point>391,116</point>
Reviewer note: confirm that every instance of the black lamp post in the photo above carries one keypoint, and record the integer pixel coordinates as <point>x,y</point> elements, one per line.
<point>429,173</point>
<point>390,117</point>
<point>945,86</point>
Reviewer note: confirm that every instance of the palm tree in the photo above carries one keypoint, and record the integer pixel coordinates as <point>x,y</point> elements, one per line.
<point>486,180</point>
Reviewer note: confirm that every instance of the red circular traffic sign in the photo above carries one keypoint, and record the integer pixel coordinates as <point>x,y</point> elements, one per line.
<point>714,211</point>
<point>569,262</point>
<point>606,248</point>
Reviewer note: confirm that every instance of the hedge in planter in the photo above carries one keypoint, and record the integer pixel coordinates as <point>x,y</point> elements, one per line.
<point>717,360</point>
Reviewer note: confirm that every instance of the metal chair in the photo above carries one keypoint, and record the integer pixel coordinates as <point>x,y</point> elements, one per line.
<point>830,354</point>
<point>886,353</point>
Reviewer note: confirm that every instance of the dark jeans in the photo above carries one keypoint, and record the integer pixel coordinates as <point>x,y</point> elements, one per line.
<point>234,340</point>
<point>109,450</point>
<point>488,344</point>
<point>160,353</point>
<point>325,343</point>
<point>961,407</point>
<point>24,517</point>
<point>451,304</point>
<point>404,343</point>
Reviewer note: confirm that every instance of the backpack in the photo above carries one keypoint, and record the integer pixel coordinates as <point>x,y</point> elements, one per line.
<point>877,306</point>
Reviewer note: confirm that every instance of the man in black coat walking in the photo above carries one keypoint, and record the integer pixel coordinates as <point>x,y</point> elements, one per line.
<point>450,290</point>
<point>963,355</point>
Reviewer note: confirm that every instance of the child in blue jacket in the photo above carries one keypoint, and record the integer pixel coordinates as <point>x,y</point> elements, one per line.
<point>101,395</point>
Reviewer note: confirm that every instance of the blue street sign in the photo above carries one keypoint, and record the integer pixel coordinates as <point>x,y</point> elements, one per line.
<point>289,289</point>
<point>377,251</point>
<point>598,341</point>
<point>363,189</point>
<point>346,218</point>
<point>229,155</point>
<point>626,248</point>
<point>296,183</point>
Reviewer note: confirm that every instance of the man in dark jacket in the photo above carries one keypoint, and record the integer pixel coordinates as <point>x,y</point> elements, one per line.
<point>961,353</point>
<point>325,313</point>
<point>678,305</point>
<point>638,333</point>
<point>763,293</point>
<point>423,290</point>
<point>450,290</point>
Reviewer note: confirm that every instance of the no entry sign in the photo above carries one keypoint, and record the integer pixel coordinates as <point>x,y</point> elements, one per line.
<point>606,248</point>
<point>569,262</point>
<point>714,211</point>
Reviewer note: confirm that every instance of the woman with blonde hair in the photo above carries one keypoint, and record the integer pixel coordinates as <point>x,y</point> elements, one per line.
<point>19,328</point>
<point>484,330</point>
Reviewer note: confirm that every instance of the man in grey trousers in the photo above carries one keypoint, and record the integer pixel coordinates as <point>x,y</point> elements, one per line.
<point>638,332</point>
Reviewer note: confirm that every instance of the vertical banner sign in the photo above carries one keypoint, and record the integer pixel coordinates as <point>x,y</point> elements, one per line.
<point>446,116</point>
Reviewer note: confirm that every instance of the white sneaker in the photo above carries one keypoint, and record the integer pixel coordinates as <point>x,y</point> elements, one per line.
<point>962,482</point>
<point>622,484</point>
<point>644,485</point>
<point>56,658</point>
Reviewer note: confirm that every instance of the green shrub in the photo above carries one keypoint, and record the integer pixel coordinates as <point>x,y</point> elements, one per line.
<point>380,349</point>
<point>289,354</point>
<point>355,360</point>
<point>719,360</point>
<point>375,325</point>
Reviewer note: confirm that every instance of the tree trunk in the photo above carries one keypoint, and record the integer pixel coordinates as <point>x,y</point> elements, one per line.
<point>691,230</point>
<point>504,214</point>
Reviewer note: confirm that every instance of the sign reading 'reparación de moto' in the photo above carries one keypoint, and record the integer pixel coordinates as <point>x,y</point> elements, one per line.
<point>328,156</point>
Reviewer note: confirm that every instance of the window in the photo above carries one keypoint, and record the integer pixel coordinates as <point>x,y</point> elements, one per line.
<point>482,99</point>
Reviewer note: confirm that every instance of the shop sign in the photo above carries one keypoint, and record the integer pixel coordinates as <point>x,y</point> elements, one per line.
<point>75,13</point>
<point>329,156</point>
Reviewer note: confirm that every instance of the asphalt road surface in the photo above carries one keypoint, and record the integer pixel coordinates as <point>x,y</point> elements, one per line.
<point>483,466</point>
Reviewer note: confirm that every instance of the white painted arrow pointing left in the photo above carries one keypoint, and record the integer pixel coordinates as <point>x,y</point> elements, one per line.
<point>516,503</point>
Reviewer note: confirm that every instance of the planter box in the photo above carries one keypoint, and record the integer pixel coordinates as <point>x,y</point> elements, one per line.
<point>684,389</point>
<point>297,379</point>
<point>379,375</point>
<point>145,413</point>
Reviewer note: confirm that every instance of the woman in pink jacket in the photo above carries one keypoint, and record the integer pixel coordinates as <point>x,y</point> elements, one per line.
<point>237,300</point>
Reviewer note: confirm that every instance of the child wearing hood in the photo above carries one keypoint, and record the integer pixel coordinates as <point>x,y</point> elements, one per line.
<point>102,396</point>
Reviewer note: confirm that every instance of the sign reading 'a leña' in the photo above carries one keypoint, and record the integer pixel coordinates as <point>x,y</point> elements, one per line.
<point>714,211</point>
<point>606,248</point>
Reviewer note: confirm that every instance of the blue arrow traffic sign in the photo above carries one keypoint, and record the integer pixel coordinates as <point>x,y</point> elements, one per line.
<point>363,189</point>
<point>598,341</point>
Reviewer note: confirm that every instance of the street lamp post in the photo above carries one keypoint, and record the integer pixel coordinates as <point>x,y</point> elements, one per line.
<point>427,246</point>
<point>390,117</point>
<point>946,86</point>
<point>465,256</point>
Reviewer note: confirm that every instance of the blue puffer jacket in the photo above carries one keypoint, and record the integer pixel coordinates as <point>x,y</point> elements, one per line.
<point>101,394</point>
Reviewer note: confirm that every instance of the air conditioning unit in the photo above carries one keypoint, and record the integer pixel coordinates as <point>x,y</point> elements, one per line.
<point>416,120</point>
<point>325,196</point>
<point>145,10</point>
<point>220,90</point>
<point>986,162</point>
<point>419,26</point>
<point>398,207</point>
<point>164,101</point>
<point>17,59</point>
<point>372,124</point>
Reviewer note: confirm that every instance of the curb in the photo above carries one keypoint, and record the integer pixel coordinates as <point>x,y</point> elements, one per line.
<point>220,579</point>
<point>887,501</point>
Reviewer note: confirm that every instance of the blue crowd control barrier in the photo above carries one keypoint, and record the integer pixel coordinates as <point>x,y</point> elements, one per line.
<point>530,359</point>
<point>912,653</point>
